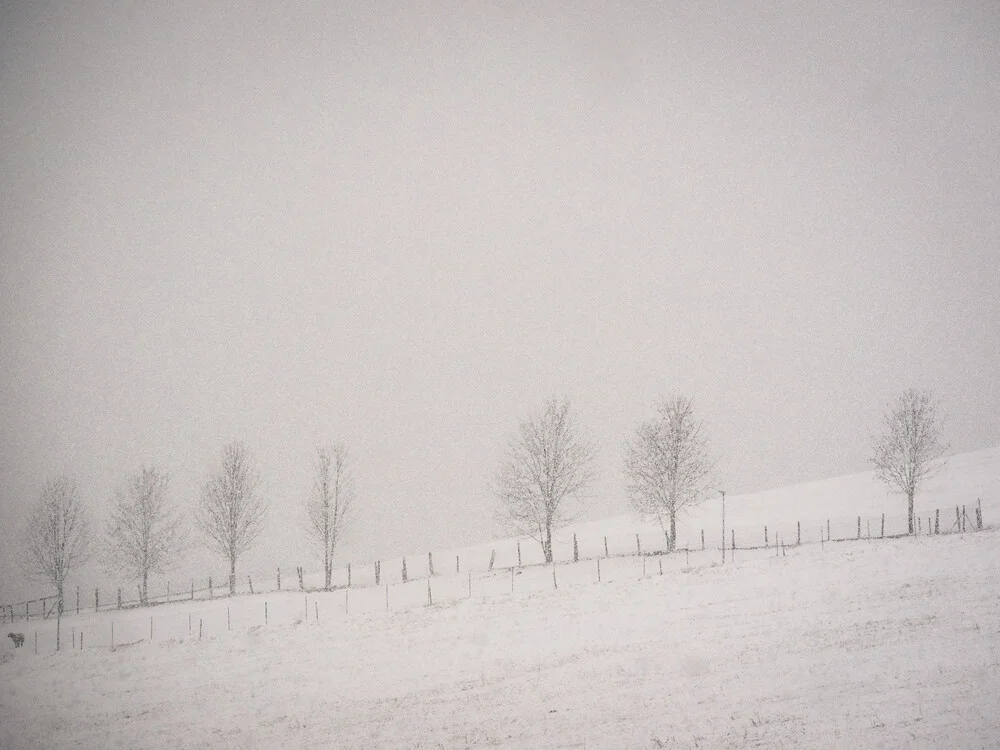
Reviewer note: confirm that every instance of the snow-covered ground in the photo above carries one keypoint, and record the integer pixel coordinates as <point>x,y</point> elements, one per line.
<point>856,644</point>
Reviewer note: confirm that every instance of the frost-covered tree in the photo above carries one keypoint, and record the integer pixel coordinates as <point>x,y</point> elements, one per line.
<point>59,537</point>
<point>144,533</point>
<point>667,464</point>
<point>329,505</point>
<point>910,449</point>
<point>231,512</point>
<point>548,463</point>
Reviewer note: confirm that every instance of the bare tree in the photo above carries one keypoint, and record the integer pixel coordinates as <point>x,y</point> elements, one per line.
<point>59,537</point>
<point>231,512</point>
<point>329,505</point>
<point>547,463</point>
<point>910,449</point>
<point>144,534</point>
<point>667,464</point>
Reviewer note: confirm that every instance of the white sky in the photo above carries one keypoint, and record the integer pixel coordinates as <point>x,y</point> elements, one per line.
<point>406,229</point>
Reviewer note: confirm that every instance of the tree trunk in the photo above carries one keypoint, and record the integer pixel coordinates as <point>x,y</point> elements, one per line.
<point>59,609</point>
<point>910,513</point>
<point>232,575</point>
<point>547,544</point>
<point>145,582</point>
<point>672,542</point>
<point>327,567</point>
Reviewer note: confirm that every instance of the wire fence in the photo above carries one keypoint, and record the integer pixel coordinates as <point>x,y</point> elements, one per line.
<point>417,580</point>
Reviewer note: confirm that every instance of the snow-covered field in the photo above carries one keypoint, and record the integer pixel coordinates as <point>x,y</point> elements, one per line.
<point>857,644</point>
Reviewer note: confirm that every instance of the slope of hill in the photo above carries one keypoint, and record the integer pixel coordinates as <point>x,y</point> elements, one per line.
<point>871,644</point>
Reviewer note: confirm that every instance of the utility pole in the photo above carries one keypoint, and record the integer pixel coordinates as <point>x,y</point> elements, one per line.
<point>723,493</point>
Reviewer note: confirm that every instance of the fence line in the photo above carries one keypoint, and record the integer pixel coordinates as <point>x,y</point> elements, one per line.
<point>571,546</point>
<point>133,628</point>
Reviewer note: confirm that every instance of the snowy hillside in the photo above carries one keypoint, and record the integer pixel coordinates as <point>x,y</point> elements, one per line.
<point>868,643</point>
<point>888,643</point>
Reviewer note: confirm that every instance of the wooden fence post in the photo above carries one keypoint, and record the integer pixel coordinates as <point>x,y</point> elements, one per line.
<point>883,526</point>
<point>78,600</point>
<point>349,573</point>
<point>229,624</point>
<point>519,553</point>
<point>734,545</point>
<point>430,563</point>
<point>576,550</point>
<point>456,564</point>
<point>703,540</point>
<point>250,581</point>
<point>859,527</point>
<point>265,614</point>
<point>97,599</point>
<point>598,570</point>
<point>493,558</point>
<point>430,601</point>
<point>638,546</point>
<point>937,520</point>
<point>378,572</point>
<point>765,536</point>
<point>200,622</point>
<point>958,518</point>
<point>979,514</point>
<point>211,592</point>
<point>554,584</point>
<point>963,519</point>
<point>828,529</point>
<point>798,533</point>
<point>405,577</point>
<point>605,546</point>
<point>192,592</point>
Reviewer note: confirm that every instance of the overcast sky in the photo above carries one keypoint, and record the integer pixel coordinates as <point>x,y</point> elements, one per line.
<point>404,229</point>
